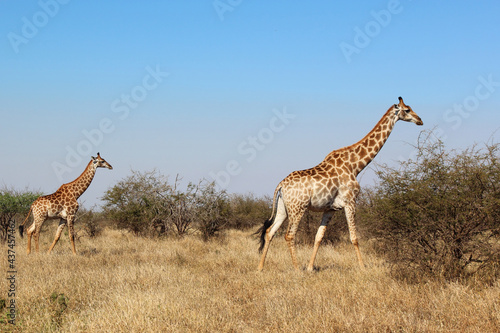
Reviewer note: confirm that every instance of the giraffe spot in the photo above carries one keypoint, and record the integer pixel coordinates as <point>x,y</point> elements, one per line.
<point>362,153</point>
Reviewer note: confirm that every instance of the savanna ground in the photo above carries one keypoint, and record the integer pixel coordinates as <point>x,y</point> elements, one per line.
<point>119,282</point>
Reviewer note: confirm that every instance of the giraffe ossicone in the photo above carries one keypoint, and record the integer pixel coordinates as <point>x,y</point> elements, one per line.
<point>62,205</point>
<point>329,186</point>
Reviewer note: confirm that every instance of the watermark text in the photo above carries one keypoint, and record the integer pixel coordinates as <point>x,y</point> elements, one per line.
<point>249,148</point>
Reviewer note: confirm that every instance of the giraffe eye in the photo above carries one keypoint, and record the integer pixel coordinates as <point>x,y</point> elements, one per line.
<point>407,110</point>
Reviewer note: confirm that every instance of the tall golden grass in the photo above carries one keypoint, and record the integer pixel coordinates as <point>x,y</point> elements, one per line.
<point>122,283</point>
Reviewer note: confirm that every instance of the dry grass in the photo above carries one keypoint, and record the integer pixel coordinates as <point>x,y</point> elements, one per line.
<point>121,283</point>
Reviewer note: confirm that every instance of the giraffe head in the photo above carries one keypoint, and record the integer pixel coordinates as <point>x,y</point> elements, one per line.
<point>100,162</point>
<point>404,112</point>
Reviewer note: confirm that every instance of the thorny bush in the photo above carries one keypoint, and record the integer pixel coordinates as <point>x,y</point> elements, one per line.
<point>438,214</point>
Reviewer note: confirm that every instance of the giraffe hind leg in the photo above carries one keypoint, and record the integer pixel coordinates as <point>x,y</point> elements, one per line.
<point>36,234</point>
<point>29,233</point>
<point>34,231</point>
<point>269,229</point>
<point>293,225</point>
<point>263,233</point>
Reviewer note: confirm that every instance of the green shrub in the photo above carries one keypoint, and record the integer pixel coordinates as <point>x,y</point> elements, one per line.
<point>14,204</point>
<point>146,204</point>
<point>90,221</point>
<point>248,211</point>
<point>212,210</point>
<point>438,214</point>
<point>136,203</point>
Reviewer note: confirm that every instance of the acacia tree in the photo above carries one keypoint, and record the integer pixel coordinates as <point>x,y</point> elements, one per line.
<point>439,213</point>
<point>180,207</point>
<point>212,210</point>
<point>137,202</point>
<point>145,203</point>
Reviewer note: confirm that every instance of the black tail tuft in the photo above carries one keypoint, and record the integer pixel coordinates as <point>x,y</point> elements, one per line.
<point>262,231</point>
<point>21,230</point>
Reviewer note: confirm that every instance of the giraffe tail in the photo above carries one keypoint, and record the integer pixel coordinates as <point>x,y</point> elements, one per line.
<point>262,230</point>
<point>21,226</point>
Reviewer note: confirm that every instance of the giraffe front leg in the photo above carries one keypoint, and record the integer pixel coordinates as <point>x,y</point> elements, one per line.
<point>327,216</point>
<point>71,230</point>
<point>60,228</point>
<point>350,213</point>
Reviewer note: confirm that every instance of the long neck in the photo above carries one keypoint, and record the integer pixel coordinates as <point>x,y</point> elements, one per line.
<point>360,154</point>
<point>80,185</point>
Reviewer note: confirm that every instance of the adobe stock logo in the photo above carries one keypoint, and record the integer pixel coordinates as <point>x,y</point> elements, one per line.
<point>31,27</point>
<point>223,6</point>
<point>251,146</point>
<point>454,116</point>
<point>483,90</point>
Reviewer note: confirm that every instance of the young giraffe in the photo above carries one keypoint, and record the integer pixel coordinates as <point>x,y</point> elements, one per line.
<point>62,204</point>
<point>329,186</point>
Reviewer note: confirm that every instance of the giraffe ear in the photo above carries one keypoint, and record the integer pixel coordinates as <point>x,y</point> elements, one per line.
<point>93,157</point>
<point>401,100</point>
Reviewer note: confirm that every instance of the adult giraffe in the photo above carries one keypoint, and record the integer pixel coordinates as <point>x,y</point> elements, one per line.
<point>62,205</point>
<point>329,186</point>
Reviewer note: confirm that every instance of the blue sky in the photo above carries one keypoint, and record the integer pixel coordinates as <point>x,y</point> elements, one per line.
<point>240,91</point>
